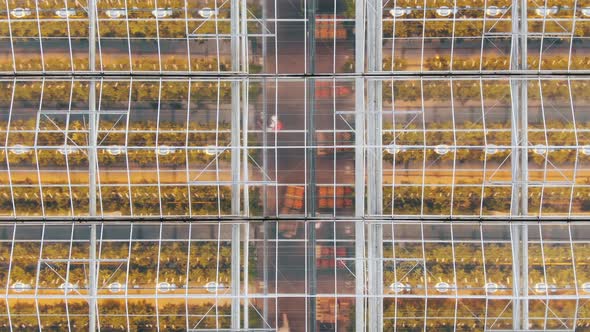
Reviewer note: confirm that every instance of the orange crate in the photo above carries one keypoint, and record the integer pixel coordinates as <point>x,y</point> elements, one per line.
<point>299,191</point>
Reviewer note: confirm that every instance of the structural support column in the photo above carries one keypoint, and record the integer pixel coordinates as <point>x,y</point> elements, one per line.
<point>515,207</point>
<point>519,141</point>
<point>92,116</point>
<point>311,207</point>
<point>359,166</point>
<point>524,197</point>
<point>92,166</point>
<point>246,199</point>
<point>92,284</point>
<point>374,208</point>
<point>235,166</point>
<point>374,166</point>
<point>359,192</point>
<point>235,205</point>
<point>519,204</point>
<point>265,212</point>
<point>235,208</point>
<point>311,168</point>
<point>523,110</point>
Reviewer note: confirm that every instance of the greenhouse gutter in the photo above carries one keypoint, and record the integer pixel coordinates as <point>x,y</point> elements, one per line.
<point>459,220</point>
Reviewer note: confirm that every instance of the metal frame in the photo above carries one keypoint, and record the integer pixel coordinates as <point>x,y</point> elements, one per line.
<point>375,229</point>
<point>414,252</point>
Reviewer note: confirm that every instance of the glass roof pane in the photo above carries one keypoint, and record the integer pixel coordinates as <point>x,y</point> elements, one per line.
<point>450,152</point>
<point>271,36</point>
<point>294,165</point>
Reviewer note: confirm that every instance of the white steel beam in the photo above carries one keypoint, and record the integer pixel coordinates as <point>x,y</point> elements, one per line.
<point>374,153</point>
<point>235,203</point>
<point>359,191</point>
<point>523,111</point>
<point>519,159</point>
<point>311,166</point>
<point>359,166</point>
<point>524,195</point>
<point>516,164</point>
<point>235,206</point>
<point>235,164</point>
<point>92,164</point>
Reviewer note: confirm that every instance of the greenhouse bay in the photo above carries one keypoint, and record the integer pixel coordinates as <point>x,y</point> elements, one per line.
<point>295,165</point>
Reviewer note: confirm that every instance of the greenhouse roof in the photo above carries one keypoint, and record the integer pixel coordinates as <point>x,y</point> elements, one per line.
<point>302,165</point>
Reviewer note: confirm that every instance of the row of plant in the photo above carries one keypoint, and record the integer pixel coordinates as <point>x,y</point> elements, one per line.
<point>211,200</point>
<point>138,27</point>
<point>116,315</point>
<point>443,28</point>
<point>468,200</point>
<point>208,64</point>
<point>133,9</point>
<point>468,23</point>
<point>209,262</point>
<point>51,129</point>
<point>175,134</point>
<point>482,3</point>
<point>472,268</point>
<point>401,314</point>
<point>117,94</point>
<point>204,200</point>
<point>117,62</point>
<point>503,63</point>
<point>402,144</point>
<point>443,63</point>
<point>199,63</point>
<point>399,64</point>
<point>414,315</point>
<point>471,24</point>
<point>471,91</point>
<point>142,201</point>
<point>408,143</point>
<point>414,21</point>
<point>174,157</point>
<point>471,271</point>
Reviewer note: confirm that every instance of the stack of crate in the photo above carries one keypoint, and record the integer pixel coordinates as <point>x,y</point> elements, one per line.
<point>344,198</point>
<point>325,258</point>
<point>344,313</point>
<point>326,310</point>
<point>344,138</point>
<point>327,89</point>
<point>294,199</point>
<point>325,28</point>
<point>326,313</point>
<point>329,144</point>
<point>293,202</point>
